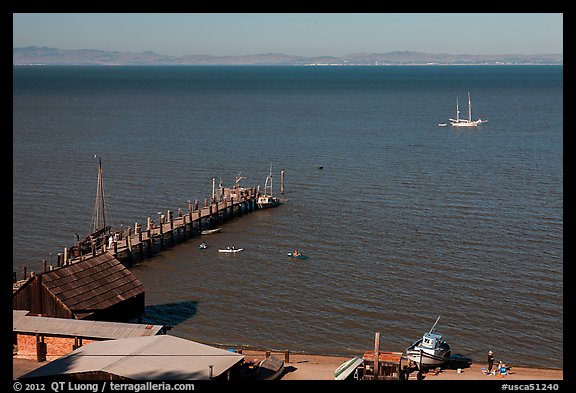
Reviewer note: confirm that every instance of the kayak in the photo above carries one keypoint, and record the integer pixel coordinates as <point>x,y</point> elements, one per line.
<point>229,250</point>
<point>297,256</point>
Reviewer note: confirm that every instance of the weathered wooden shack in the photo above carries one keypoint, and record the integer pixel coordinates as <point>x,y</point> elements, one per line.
<point>98,288</point>
<point>389,366</point>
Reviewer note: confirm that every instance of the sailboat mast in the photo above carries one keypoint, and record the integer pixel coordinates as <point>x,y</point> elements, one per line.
<point>270,179</point>
<point>99,206</point>
<point>457,111</point>
<point>469,108</point>
<point>101,179</point>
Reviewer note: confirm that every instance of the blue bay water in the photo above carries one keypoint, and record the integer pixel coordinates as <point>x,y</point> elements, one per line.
<point>407,221</point>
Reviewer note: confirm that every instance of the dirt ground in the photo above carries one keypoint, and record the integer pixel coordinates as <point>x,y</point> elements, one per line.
<point>319,367</point>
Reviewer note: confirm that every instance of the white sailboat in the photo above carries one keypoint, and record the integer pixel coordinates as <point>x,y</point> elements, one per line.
<point>458,122</point>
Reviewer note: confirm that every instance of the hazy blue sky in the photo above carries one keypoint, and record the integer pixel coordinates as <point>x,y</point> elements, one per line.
<point>306,34</point>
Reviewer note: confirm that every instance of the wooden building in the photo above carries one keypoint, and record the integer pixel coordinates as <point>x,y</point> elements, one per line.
<point>161,357</point>
<point>98,288</point>
<point>45,338</point>
<point>389,365</point>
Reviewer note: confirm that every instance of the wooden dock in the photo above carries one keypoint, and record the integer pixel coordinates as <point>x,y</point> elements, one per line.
<point>166,229</point>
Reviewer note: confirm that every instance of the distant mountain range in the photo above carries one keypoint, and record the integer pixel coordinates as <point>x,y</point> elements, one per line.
<point>51,56</point>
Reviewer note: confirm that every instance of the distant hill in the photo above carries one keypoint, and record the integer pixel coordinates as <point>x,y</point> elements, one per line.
<point>52,56</point>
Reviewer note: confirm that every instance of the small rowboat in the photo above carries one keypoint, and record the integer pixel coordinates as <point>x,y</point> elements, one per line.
<point>210,231</point>
<point>297,256</point>
<point>231,250</point>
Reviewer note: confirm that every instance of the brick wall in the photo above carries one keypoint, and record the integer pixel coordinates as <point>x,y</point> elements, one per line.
<point>55,346</point>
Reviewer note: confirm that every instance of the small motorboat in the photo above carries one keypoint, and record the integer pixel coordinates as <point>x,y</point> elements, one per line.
<point>429,351</point>
<point>299,256</point>
<point>230,249</point>
<point>203,246</point>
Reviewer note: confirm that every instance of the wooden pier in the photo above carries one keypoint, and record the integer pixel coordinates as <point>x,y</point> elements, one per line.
<point>168,228</point>
<point>165,230</point>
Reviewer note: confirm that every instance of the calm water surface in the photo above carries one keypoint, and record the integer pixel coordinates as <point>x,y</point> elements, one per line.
<point>406,222</point>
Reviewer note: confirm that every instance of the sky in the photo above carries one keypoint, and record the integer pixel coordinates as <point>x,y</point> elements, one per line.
<point>303,34</point>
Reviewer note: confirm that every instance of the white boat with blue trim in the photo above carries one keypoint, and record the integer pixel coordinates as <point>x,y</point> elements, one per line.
<point>429,351</point>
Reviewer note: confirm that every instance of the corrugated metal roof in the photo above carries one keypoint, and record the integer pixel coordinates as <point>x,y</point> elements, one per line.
<point>93,284</point>
<point>144,358</point>
<point>21,323</point>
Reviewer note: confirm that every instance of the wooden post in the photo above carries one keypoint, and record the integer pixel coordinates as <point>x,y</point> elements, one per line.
<point>287,356</point>
<point>171,222</point>
<point>44,265</point>
<point>210,217</point>
<point>93,246</point>
<point>65,256</point>
<point>141,244</point>
<point>129,239</point>
<point>282,182</point>
<point>40,348</point>
<point>377,356</point>
<point>149,241</point>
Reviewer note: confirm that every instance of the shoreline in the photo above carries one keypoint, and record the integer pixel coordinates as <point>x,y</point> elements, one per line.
<point>321,367</point>
<point>312,367</point>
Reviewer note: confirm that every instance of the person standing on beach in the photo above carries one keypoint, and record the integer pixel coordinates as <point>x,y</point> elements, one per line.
<point>490,361</point>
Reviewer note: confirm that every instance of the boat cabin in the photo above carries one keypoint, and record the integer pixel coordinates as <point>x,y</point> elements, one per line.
<point>431,340</point>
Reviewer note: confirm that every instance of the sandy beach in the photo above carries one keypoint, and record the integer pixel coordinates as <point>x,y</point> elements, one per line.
<point>319,367</point>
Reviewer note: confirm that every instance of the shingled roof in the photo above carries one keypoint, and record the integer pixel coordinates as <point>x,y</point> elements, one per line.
<point>88,287</point>
<point>93,284</point>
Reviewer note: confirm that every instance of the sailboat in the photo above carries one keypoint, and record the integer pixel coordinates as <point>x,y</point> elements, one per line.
<point>267,200</point>
<point>458,122</point>
<point>100,229</point>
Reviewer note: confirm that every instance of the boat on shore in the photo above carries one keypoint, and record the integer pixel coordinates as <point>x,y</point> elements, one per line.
<point>458,122</point>
<point>270,368</point>
<point>429,351</point>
